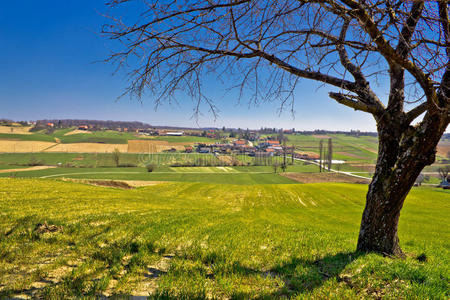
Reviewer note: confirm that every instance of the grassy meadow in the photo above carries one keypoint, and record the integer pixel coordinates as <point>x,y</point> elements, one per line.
<point>200,240</point>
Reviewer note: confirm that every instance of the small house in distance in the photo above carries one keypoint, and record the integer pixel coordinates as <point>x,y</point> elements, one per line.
<point>239,143</point>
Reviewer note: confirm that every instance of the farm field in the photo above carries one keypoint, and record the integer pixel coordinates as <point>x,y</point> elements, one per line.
<point>71,135</point>
<point>160,159</point>
<point>15,129</point>
<point>204,174</point>
<point>198,240</point>
<point>349,148</point>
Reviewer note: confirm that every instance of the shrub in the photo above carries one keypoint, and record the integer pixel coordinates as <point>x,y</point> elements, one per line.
<point>150,167</point>
<point>127,165</point>
<point>35,162</point>
<point>116,156</point>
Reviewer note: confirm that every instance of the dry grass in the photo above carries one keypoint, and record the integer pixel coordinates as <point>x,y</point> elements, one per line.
<point>88,148</point>
<point>24,146</point>
<point>151,146</point>
<point>76,131</point>
<point>15,130</point>
<point>309,153</point>
<point>365,167</point>
<point>35,168</point>
<point>226,159</point>
<point>324,177</point>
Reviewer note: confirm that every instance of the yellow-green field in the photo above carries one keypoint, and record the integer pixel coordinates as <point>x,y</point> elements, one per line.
<point>200,240</point>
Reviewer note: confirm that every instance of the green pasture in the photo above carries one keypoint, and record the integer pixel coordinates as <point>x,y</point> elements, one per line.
<point>199,240</point>
<point>201,174</point>
<point>101,136</point>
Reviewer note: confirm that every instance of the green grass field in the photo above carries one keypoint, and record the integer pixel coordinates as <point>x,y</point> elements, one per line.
<point>345,147</point>
<point>221,175</point>
<point>198,240</point>
<point>101,136</point>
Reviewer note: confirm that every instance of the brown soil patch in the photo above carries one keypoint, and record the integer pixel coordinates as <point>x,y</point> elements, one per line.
<point>23,146</point>
<point>76,131</point>
<point>324,177</point>
<point>122,184</point>
<point>45,228</point>
<point>26,169</point>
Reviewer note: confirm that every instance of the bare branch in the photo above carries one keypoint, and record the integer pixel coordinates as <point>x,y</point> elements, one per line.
<point>355,104</point>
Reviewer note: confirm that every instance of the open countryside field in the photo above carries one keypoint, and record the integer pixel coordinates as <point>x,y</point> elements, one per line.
<point>15,129</point>
<point>221,175</point>
<point>345,147</point>
<point>197,240</point>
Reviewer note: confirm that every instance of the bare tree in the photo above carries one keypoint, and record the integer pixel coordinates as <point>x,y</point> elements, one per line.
<point>269,46</point>
<point>330,154</point>
<point>443,172</point>
<point>419,179</point>
<point>275,167</point>
<point>116,156</point>
<point>320,155</point>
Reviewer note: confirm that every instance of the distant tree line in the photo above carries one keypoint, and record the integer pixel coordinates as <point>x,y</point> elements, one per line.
<point>93,124</point>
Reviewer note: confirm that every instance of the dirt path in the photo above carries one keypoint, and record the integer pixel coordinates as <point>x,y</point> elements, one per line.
<point>324,177</point>
<point>125,184</point>
<point>27,169</point>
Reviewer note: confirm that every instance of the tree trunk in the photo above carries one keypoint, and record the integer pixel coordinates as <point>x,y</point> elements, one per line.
<point>403,152</point>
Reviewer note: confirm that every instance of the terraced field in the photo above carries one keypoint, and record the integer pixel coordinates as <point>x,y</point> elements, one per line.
<point>201,240</point>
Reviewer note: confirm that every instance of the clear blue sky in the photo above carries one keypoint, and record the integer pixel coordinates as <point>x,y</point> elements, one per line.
<point>47,70</point>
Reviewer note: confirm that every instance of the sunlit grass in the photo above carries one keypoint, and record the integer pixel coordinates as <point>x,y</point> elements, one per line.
<point>198,240</point>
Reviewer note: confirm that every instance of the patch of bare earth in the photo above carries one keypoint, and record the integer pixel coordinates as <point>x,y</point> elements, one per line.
<point>27,169</point>
<point>149,281</point>
<point>324,177</point>
<point>122,184</point>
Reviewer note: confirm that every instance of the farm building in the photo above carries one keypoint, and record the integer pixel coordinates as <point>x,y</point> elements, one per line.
<point>240,143</point>
<point>177,133</point>
<point>269,144</point>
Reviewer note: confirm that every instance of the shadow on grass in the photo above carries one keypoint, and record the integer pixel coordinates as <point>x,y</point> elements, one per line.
<point>299,276</point>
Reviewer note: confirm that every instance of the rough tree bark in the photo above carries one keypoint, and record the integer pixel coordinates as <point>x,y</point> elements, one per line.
<point>403,153</point>
<point>341,43</point>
